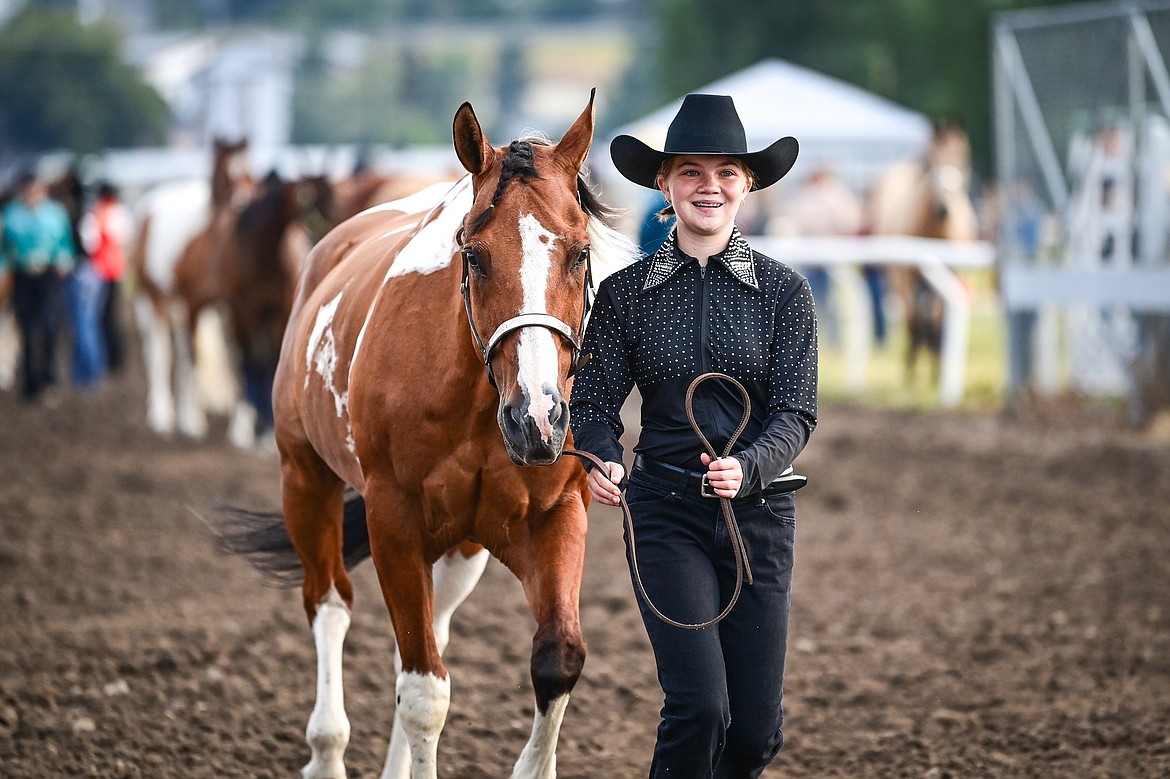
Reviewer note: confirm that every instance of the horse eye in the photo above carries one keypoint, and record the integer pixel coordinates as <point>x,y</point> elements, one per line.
<point>471,258</point>
<point>582,258</point>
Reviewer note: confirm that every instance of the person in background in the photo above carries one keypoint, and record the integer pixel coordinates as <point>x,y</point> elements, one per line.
<point>38,253</point>
<point>105,229</point>
<point>655,225</point>
<point>706,302</point>
<point>823,205</point>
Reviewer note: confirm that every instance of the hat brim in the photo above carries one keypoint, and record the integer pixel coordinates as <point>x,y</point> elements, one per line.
<point>640,163</point>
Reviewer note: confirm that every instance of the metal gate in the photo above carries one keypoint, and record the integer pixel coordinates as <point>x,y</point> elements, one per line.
<point>1081,101</point>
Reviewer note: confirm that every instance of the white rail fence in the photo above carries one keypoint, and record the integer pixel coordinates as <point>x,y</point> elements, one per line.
<point>844,258</point>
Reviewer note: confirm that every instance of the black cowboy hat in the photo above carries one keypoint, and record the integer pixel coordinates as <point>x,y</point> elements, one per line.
<point>704,124</point>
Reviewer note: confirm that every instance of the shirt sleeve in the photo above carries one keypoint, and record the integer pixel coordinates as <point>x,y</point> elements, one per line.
<point>603,385</point>
<point>792,400</point>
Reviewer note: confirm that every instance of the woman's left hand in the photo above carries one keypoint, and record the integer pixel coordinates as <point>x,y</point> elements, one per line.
<point>724,474</point>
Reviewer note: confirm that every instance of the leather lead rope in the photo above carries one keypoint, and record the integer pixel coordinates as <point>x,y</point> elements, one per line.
<point>742,566</point>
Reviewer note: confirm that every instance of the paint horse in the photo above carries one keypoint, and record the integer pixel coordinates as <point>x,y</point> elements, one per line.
<point>423,331</point>
<point>930,199</point>
<point>182,226</point>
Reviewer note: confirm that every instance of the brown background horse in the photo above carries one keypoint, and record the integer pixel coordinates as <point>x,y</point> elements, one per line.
<point>260,262</point>
<point>382,389</point>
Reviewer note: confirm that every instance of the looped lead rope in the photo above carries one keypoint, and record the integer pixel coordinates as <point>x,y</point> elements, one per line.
<point>742,566</point>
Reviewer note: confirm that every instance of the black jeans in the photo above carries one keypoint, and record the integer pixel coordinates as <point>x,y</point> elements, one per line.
<point>723,686</point>
<point>37,300</point>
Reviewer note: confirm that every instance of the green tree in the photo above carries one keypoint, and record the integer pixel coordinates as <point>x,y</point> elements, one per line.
<point>65,86</point>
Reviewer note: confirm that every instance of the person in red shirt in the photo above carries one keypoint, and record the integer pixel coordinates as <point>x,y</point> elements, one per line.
<point>105,229</point>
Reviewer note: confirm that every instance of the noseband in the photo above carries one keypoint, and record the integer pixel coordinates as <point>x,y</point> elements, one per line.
<point>533,319</point>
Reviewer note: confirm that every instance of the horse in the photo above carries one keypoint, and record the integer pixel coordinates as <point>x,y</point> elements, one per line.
<point>927,198</point>
<point>389,385</point>
<point>260,263</point>
<point>181,229</point>
<point>365,189</point>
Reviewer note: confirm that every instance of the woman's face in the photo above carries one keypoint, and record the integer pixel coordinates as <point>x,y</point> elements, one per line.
<point>706,192</point>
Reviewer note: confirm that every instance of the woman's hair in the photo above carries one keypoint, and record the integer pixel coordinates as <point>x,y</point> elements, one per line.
<point>664,170</point>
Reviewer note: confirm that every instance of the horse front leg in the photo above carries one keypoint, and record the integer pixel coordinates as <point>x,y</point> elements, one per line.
<point>455,577</point>
<point>552,584</point>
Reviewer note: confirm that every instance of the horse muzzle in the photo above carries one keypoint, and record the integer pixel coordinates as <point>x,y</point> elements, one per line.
<point>534,434</point>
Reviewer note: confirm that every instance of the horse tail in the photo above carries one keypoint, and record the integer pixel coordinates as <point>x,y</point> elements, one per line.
<point>262,539</point>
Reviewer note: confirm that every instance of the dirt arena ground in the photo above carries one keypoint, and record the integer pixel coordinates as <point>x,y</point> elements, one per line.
<point>975,597</point>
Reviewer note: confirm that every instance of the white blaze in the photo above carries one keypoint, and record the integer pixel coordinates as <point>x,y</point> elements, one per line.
<point>538,351</point>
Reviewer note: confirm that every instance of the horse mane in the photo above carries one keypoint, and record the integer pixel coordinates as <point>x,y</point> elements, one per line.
<point>612,249</point>
<point>518,162</point>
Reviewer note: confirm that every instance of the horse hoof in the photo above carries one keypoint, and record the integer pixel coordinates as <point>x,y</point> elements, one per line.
<point>324,769</point>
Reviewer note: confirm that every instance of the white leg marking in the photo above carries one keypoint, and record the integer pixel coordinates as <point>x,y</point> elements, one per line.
<point>156,349</point>
<point>191,418</point>
<point>328,729</point>
<point>422,703</point>
<point>539,758</point>
<point>216,383</point>
<point>241,429</point>
<point>455,578</point>
<point>538,350</point>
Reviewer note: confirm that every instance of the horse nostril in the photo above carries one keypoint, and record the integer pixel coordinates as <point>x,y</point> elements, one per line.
<point>558,412</point>
<point>515,418</point>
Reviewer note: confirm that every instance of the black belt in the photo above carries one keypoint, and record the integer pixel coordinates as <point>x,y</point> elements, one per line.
<point>695,483</point>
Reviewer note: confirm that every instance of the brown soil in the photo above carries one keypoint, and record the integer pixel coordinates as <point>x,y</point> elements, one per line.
<point>974,598</point>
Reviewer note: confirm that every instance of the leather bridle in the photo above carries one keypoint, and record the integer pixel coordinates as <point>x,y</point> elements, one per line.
<point>531,319</point>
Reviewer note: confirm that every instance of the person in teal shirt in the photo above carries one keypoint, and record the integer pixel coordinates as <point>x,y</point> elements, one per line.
<point>37,251</point>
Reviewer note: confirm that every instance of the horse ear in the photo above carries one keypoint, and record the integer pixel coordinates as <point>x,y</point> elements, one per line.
<point>471,145</point>
<point>574,146</point>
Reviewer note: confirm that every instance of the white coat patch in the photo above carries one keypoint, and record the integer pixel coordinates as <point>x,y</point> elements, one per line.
<point>321,358</point>
<point>430,250</point>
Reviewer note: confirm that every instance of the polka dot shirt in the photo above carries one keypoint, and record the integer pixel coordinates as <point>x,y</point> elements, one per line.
<point>664,320</point>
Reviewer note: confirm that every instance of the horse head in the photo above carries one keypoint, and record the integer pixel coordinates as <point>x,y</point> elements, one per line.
<point>948,180</point>
<point>231,173</point>
<point>316,204</point>
<point>525,247</point>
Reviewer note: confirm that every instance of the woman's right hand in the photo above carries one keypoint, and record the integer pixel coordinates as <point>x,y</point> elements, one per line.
<point>605,488</point>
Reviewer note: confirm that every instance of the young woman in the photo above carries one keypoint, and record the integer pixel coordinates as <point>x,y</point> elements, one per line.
<point>706,302</point>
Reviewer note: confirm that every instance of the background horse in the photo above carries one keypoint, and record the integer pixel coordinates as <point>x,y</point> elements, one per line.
<point>261,261</point>
<point>382,388</point>
<point>930,199</point>
<point>181,228</point>
<point>365,189</point>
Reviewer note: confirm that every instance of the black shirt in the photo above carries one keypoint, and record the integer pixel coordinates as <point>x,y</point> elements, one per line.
<point>664,320</point>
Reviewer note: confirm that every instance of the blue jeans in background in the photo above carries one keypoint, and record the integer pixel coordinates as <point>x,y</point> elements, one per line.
<point>86,298</point>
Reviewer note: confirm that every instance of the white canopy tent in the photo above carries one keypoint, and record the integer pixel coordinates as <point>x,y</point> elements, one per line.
<point>852,131</point>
